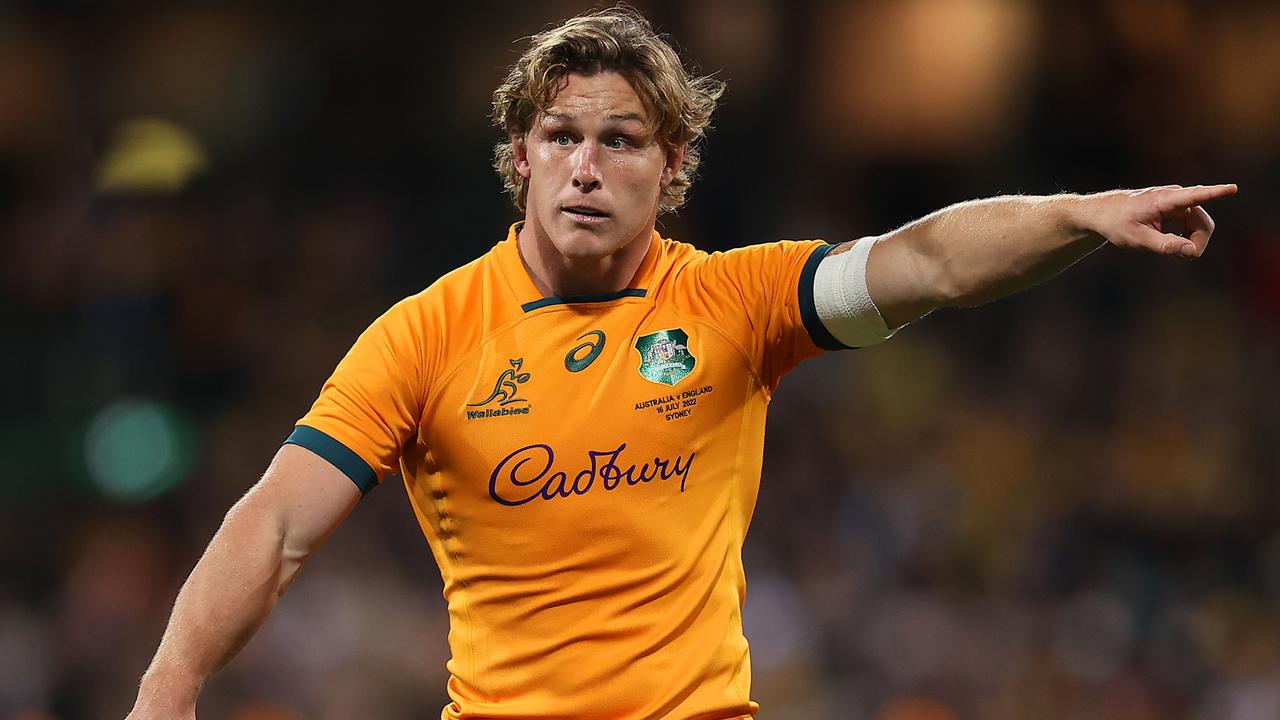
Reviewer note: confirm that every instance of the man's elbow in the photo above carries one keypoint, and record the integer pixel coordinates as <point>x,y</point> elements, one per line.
<point>945,285</point>
<point>940,282</point>
<point>909,277</point>
<point>953,282</point>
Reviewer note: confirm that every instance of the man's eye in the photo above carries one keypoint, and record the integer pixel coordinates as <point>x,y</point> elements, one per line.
<point>561,139</point>
<point>618,143</point>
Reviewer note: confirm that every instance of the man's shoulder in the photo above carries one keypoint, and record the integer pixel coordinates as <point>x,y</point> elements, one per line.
<point>458,287</point>
<point>678,252</point>
<point>677,259</point>
<point>687,262</point>
<point>450,315</point>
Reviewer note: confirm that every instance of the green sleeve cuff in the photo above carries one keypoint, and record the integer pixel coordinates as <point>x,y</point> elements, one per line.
<point>808,309</point>
<point>338,455</point>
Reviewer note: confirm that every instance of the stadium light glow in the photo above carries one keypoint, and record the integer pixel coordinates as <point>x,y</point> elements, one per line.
<point>136,449</point>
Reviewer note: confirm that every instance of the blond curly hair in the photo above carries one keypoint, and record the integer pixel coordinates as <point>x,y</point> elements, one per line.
<point>621,40</point>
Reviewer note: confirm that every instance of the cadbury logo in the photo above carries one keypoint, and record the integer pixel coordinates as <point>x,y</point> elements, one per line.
<point>527,474</point>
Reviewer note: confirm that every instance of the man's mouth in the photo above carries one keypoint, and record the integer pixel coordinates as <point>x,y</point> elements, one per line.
<point>582,213</point>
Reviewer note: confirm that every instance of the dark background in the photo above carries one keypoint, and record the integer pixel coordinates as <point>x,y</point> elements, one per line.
<point>1063,505</point>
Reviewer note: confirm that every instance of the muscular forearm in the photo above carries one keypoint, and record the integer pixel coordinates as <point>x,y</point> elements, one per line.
<point>987,249</point>
<point>229,594</point>
<point>977,251</point>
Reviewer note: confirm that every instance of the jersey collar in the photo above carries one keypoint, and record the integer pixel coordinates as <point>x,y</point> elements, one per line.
<point>528,297</point>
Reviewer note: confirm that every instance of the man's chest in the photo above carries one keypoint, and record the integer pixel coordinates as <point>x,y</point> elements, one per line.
<point>566,406</point>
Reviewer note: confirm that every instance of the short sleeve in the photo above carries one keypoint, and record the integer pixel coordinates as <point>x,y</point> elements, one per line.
<point>369,409</point>
<point>762,295</point>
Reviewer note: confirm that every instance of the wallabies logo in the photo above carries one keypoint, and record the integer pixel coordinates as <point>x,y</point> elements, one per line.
<point>506,389</point>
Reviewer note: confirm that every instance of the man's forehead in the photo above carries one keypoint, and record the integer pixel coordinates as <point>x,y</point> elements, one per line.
<point>562,115</point>
<point>605,95</point>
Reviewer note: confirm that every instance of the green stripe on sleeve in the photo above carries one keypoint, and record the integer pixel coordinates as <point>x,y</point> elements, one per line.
<point>808,309</point>
<point>338,455</point>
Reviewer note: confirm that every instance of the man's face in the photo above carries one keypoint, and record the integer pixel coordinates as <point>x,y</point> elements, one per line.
<point>594,172</point>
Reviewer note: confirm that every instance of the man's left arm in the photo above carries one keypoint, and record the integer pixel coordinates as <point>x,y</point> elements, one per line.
<point>977,251</point>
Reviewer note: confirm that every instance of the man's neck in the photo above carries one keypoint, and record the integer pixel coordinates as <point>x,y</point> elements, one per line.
<point>554,274</point>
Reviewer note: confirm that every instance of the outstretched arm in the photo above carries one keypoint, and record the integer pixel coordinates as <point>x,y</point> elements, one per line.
<point>975,252</point>
<point>255,555</point>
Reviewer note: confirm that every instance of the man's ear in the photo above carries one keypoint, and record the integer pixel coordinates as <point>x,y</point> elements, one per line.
<point>520,154</point>
<point>675,160</point>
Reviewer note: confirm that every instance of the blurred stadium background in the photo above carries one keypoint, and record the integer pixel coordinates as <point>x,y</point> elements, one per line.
<point>1061,506</point>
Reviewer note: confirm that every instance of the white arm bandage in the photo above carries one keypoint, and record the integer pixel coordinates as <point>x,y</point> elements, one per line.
<point>841,298</point>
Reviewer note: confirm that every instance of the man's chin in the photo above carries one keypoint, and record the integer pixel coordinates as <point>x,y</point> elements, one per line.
<point>579,243</point>
<point>585,252</point>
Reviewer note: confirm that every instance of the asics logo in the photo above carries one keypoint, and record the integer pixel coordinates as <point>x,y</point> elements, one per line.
<point>576,361</point>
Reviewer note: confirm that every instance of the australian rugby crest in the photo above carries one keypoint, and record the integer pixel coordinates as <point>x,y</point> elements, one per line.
<point>665,356</point>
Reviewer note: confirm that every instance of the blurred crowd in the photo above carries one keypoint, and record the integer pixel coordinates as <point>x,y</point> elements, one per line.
<point>1061,506</point>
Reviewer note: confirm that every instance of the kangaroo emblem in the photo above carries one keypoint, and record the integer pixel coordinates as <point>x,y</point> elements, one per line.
<point>505,390</point>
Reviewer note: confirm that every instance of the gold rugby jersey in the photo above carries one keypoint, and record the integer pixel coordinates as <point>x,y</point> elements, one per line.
<point>584,469</point>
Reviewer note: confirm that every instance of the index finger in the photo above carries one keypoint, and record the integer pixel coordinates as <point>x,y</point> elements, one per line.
<point>1194,195</point>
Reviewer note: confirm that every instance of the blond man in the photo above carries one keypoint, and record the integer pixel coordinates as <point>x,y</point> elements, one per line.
<point>578,415</point>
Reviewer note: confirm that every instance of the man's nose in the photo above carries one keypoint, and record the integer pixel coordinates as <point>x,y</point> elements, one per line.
<point>586,167</point>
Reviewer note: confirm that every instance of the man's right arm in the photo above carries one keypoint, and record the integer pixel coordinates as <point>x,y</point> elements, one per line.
<point>255,555</point>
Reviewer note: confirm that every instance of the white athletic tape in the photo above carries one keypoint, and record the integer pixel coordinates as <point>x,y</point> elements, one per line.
<point>841,298</point>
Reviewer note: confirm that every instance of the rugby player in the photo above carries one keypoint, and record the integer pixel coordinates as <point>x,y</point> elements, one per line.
<point>578,415</point>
